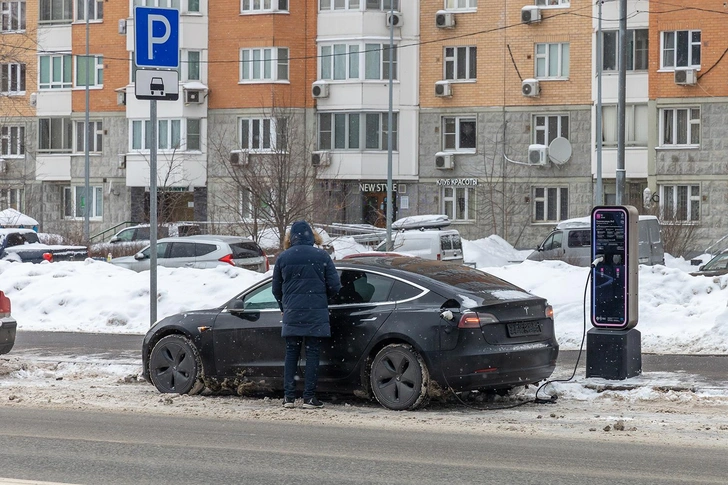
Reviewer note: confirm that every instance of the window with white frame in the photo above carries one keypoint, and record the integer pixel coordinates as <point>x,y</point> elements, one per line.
<point>12,78</point>
<point>55,11</point>
<point>12,16</point>
<point>56,71</point>
<point>553,3</point>
<point>193,66</point>
<point>550,204</point>
<point>158,3</point>
<point>461,63</point>
<point>93,67</point>
<point>264,64</point>
<point>94,9</point>
<point>11,199</point>
<point>263,134</point>
<point>75,200</point>
<point>194,134</point>
<point>171,134</point>
<point>356,131</point>
<point>459,134</point>
<point>546,128</point>
<point>344,61</point>
<point>193,5</point>
<point>382,4</point>
<point>248,208</point>
<point>637,50</point>
<point>680,48</point>
<point>339,5</point>
<point>94,135</point>
<point>680,126</point>
<point>12,141</point>
<point>55,135</point>
<point>461,4</point>
<point>636,127</point>
<point>680,203</point>
<point>552,60</point>
<point>261,6</point>
<point>458,203</point>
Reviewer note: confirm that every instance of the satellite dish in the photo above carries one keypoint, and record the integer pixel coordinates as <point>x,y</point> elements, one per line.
<point>560,150</point>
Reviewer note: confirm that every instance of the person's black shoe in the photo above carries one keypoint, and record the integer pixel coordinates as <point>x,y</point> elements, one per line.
<point>289,402</point>
<point>312,403</point>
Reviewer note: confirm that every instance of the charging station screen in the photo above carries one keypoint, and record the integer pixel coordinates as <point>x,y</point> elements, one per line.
<point>609,276</point>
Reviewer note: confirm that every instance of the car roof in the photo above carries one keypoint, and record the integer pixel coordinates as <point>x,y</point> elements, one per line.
<point>213,237</point>
<point>9,230</point>
<point>585,222</point>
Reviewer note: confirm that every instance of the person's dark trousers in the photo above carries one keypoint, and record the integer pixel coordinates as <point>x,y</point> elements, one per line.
<point>293,352</point>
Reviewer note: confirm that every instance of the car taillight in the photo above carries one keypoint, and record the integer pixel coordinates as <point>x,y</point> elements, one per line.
<point>227,259</point>
<point>438,257</point>
<point>4,304</point>
<point>476,320</point>
<point>550,312</point>
<point>48,257</point>
<point>267,263</point>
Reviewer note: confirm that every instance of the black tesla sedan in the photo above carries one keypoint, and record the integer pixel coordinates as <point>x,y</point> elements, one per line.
<point>402,329</point>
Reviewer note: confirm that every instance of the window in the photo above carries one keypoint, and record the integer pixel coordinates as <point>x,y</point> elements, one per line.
<point>552,60</point>
<point>339,4</point>
<point>344,61</point>
<point>171,134</point>
<point>461,63</point>
<point>55,135</point>
<point>680,48</point>
<point>458,133</point>
<point>636,126</point>
<point>11,199</point>
<point>550,204</point>
<point>93,67</point>
<point>55,11</point>
<point>193,5</point>
<point>194,135</point>
<point>382,4</point>
<point>461,4</point>
<point>12,16</point>
<point>458,203</point>
<point>95,9</point>
<point>553,3</point>
<point>74,202</point>
<point>95,136</point>
<point>265,64</point>
<point>263,134</point>
<point>12,140</point>
<point>374,68</point>
<point>637,50</point>
<point>158,3</point>
<point>248,208</point>
<point>12,78</point>
<point>193,65</point>
<point>259,6</point>
<point>356,131</point>
<point>680,127</point>
<point>55,71</point>
<point>680,203</point>
<point>546,128</point>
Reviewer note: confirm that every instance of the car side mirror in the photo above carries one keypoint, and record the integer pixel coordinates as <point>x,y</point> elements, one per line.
<point>236,305</point>
<point>139,256</point>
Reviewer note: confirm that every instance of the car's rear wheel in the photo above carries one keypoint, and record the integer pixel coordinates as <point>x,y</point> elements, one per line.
<point>175,367</point>
<point>399,377</point>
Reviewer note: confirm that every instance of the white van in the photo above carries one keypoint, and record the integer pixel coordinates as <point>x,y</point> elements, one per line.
<point>570,242</point>
<point>426,237</point>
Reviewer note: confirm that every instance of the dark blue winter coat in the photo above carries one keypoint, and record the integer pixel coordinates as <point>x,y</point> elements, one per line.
<point>304,277</point>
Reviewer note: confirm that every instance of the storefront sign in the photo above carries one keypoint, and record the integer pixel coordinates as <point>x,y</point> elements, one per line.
<point>374,187</point>
<point>458,182</point>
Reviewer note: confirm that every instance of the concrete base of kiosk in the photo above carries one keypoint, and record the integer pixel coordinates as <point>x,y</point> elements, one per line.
<point>613,354</point>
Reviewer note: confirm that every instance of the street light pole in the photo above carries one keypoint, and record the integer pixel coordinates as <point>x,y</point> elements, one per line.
<point>390,207</point>
<point>87,138</point>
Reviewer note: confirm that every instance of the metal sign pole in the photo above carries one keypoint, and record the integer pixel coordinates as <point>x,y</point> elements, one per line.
<point>153,213</point>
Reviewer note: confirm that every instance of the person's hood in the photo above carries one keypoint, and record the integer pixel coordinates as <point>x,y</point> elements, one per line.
<point>301,234</point>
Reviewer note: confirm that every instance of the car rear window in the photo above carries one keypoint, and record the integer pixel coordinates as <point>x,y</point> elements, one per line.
<point>203,249</point>
<point>245,249</point>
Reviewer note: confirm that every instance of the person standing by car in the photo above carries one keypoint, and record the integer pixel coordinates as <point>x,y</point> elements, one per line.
<point>304,278</point>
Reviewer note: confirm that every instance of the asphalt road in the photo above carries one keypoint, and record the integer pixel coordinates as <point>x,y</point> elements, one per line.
<point>84,447</point>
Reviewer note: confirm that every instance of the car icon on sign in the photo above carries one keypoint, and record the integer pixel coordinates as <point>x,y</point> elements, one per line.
<point>156,85</point>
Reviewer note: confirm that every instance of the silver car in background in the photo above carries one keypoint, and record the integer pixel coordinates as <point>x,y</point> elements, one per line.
<point>200,252</point>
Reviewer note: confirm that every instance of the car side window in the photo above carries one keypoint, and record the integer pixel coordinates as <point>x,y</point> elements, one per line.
<point>126,235</point>
<point>403,291</point>
<point>161,250</point>
<point>553,241</point>
<point>142,233</point>
<point>203,249</point>
<point>362,287</point>
<point>261,299</point>
<point>182,250</point>
<point>579,239</point>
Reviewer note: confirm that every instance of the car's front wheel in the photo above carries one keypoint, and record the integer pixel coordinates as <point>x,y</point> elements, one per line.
<point>175,367</point>
<point>399,377</point>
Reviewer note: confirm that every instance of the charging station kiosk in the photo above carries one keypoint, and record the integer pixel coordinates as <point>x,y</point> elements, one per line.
<point>613,346</point>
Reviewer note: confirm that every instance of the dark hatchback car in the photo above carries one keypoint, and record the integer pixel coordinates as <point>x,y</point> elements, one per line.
<point>402,328</point>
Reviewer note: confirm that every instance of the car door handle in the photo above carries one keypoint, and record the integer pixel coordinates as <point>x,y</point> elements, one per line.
<point>367,319</point>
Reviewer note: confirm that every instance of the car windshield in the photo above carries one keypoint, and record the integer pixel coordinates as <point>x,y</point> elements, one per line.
<point>462,277</point>
<point>718,262</point>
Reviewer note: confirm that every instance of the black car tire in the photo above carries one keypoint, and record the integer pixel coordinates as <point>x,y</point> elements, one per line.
<point>175,367</point>
<point>399,377</point>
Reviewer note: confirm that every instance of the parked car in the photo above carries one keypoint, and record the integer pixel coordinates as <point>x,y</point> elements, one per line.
<point>426,237</point>
<point>406,327</point>
<point>141,232</point>
<point>23,245</point>
<point>8,325</point>
<point>200,252</point>
<point>570,242</point>
<point>715,267</point>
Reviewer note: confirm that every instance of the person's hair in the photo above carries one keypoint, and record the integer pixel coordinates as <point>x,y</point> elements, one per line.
<point>317,239</point>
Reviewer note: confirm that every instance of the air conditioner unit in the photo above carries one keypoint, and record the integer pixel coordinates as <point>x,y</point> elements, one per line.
<point>537,154</point>
<point>686,77</point>
<point>530,87</point>
<point>122,161</point>
<point>33,100</point>
<point>193,96</point>
<point>444,19</point>
<point>443,88</point>
<point>239,157</point>
<point>395,18</point>
<point>122,26</point>
<point>320,89</point>
<point>321,159</point>
<point>530,14</point>
<point>444,161</point>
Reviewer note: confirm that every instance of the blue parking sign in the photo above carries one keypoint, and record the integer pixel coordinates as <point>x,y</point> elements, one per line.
<point>156,37</point>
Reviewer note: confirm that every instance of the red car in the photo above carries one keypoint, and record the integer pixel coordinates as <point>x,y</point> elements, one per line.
<point>7,325</point>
